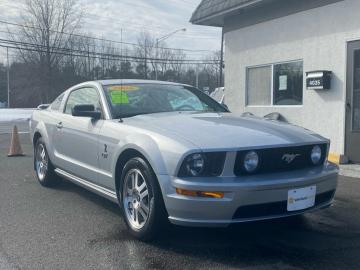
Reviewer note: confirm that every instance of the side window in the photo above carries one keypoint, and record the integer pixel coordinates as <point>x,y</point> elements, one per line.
<point>83,96</point>
<point>55,106</point>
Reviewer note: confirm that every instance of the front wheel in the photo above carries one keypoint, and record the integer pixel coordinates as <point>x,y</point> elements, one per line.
<point>141,200</point>
<point>43,167</point>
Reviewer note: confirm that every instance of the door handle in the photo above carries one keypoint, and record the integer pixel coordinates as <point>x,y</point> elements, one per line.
<point>348,105</point>
<point>59,125</point>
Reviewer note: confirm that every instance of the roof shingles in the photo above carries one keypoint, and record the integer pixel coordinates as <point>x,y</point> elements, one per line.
<point>209,8</point>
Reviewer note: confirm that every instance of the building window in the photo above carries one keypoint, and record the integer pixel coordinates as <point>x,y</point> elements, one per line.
<point>259,86</point>
<point>277,84</point>
<point>288,83</point>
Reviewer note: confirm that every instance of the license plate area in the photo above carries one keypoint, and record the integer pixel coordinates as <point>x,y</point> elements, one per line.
<point>301,198</point>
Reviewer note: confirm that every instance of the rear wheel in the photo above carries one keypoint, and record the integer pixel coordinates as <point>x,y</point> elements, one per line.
<point>141,200</point>
<point>43,167</point>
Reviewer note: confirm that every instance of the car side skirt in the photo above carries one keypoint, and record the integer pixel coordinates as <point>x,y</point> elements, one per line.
<point>104,192</point>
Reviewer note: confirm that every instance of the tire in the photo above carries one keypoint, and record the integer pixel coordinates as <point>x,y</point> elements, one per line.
<point>142,204</point>
<point>44,169</point>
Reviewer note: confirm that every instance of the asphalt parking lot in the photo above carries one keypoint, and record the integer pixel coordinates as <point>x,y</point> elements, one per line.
<point>70,228</point>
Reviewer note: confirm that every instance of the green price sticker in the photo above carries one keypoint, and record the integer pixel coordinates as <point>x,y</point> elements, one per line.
<point>119,97</point>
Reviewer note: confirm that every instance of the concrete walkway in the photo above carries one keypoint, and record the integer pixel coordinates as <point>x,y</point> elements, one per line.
<point>350,170</point>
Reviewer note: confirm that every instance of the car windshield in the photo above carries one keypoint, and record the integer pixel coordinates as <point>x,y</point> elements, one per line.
<point>134,99</point>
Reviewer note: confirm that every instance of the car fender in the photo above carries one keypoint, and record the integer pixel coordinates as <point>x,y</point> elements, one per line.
<point>145,145</point>
<point>39,127</point>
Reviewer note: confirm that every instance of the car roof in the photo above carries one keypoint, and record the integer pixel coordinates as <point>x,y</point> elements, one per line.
<point>136,81</point>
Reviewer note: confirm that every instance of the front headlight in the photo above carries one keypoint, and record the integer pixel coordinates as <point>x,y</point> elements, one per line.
<point>316,155</point>
<point>195,164</point>
<point>251,161</point>
<point>202,164</point>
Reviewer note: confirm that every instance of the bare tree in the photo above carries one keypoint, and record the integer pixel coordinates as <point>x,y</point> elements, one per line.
<point>177,57</point>
<point>164,54</point>
<point>52,56</point>
<point>86,45</point>
<point>146,50</point>
<point>49,24</point>
<point>212,69</point>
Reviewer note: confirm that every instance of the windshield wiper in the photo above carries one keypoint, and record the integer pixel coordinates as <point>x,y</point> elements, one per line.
<point>128,115</point>
<point>140,113</point>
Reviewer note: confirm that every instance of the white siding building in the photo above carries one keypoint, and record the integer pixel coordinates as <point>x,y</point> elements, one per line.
<point>270,45</point>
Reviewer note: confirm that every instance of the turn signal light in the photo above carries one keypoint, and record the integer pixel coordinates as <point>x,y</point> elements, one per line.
<point>208,194</point>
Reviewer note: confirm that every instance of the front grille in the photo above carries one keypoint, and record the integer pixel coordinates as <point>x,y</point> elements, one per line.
<point>277,208</point>
<point>272,159</point>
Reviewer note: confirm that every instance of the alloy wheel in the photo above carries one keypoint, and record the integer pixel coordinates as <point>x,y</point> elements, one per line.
<point>136,199</point>
<point>41,162</point>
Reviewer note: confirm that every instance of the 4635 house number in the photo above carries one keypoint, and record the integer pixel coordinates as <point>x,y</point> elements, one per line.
<point>314,82</point>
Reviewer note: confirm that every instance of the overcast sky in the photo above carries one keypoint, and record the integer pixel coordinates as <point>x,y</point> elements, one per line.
<point>106,18</point>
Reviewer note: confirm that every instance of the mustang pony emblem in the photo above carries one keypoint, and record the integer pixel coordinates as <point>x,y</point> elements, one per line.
<point>288,158</point>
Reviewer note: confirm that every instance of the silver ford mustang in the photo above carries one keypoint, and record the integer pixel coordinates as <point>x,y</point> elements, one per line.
<point>168,152</point>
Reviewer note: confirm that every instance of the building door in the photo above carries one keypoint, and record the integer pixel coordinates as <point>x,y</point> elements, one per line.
<point>352,143</point>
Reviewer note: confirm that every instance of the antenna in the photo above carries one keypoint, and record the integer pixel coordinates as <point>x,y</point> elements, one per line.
<point>121,73</point>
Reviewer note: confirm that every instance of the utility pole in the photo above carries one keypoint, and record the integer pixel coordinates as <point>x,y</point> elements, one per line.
<point>156,56</point>
<point>145,67</point>
<point>88,56</point>
<point>8,76</point>
<point>121,53</point>
<point>221,58</point>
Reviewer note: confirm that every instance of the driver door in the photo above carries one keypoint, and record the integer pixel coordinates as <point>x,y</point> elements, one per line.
<point>77,137</point>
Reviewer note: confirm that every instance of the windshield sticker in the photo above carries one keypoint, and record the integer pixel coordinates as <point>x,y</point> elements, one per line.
<point>119,97</point>
<point>123,88</point>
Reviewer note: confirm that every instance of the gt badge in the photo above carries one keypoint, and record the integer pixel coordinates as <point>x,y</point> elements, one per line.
<point>105,153</point>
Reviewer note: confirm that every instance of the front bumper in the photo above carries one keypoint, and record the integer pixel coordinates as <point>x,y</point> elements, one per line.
<point>249,198</point>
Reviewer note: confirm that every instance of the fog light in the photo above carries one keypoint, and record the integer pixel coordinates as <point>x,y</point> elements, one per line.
<point>208,194</point>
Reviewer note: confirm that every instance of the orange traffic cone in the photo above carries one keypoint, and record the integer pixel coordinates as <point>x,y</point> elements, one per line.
<point>15,147</point>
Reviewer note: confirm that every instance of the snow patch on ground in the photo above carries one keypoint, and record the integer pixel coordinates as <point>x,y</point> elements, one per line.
<point>15,114</point>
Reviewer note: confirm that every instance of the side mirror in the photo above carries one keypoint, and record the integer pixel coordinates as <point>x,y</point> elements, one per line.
<point>86,110</point>
<point>43,106</point>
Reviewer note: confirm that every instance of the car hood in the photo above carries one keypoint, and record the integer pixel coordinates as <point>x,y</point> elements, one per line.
<point>225,130</point>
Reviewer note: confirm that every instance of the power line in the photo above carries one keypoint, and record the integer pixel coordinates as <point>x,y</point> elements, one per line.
<point>128,55</point>
<point>105,56</point>
<point>118,58</point>
<point>192,53</point>
<point>97,38</point>
<point>39,46</point>
<point>92,47</point>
